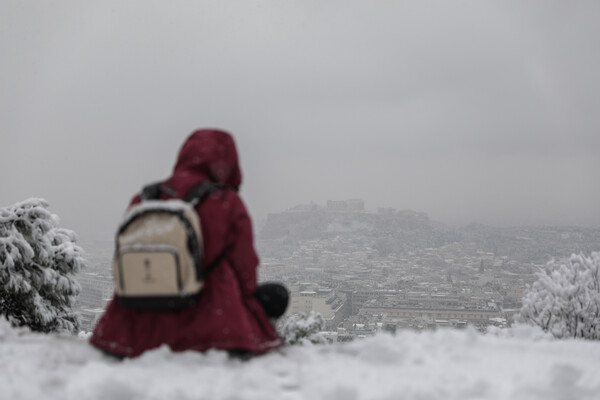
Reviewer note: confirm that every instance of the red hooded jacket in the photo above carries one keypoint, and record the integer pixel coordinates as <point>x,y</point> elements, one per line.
<point>226,316</point>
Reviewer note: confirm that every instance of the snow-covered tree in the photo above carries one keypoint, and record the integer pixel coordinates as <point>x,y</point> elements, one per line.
<point>38,263</point>
<point>565,300</point>
<point>304,328</point>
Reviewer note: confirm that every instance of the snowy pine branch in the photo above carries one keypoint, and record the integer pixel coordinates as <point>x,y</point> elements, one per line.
<point>565,300</point>
<point>304,328</point>
<point>38,263</point>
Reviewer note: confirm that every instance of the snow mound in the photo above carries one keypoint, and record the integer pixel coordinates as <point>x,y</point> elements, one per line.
<point>516,364</point>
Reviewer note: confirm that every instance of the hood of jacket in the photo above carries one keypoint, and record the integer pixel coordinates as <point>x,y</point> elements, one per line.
<point>209,154</point>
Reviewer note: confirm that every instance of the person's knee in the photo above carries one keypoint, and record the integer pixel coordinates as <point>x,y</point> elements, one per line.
<point>274,298</point>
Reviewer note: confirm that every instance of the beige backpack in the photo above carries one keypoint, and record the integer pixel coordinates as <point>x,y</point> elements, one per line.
<point>159,251</point>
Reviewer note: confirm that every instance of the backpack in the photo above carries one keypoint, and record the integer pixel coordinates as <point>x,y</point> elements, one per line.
<point>159,251</point>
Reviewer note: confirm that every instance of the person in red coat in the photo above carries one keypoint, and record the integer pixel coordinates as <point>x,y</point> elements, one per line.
<point>230,313</point>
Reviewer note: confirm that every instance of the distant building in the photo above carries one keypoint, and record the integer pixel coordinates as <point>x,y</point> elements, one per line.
<point>353,205</point>
<point>89,317</point>
<point>302,302</point>
<point>96,290</point>
<point>322,301</point>
<point>462,314</point>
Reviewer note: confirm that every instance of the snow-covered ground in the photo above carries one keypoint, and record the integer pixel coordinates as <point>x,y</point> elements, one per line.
<point>521,363</point>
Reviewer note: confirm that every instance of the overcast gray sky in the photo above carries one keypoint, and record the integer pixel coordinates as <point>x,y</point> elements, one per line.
<point>467,110</point>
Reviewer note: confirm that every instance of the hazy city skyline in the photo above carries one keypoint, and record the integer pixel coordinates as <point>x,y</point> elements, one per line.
<point>467,111</point>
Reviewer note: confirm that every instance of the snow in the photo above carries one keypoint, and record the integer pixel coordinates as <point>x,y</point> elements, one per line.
<point>520,363</point>
<point>566,298</point>
<point>302,328</point>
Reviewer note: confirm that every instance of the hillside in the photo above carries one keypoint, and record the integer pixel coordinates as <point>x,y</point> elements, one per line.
<point>399,232</point>
<point>394,232</point>
<point>520,363</point>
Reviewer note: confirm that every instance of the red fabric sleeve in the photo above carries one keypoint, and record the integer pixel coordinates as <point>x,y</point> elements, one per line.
<point>243,257</point>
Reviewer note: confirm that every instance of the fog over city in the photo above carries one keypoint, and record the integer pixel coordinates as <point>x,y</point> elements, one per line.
<point>468,111</point>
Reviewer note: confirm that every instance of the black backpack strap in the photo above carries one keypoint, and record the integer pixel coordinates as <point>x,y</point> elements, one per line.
<point>153,191</point>
<point>199,192</point>
<point>210,267</point>
<point>195,196</point>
